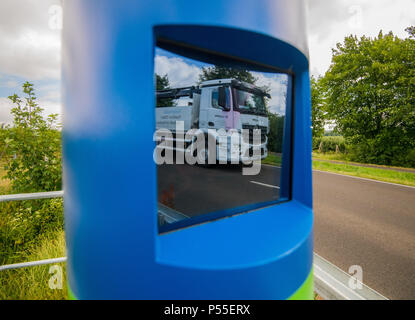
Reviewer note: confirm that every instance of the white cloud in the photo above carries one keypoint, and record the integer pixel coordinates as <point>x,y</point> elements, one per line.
<point>29,51</point>
<point>50,93</point>
<point>51,107</point>
<point>180,73</point>
<point>29,48</point>
<point>5,107</point>
<point>277,83</point>
<point>330,21</point>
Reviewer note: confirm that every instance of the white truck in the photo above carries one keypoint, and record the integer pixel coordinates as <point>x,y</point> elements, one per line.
<point>226,104</point>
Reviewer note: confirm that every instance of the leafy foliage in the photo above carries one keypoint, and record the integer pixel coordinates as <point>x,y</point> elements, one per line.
<point>218,72</point>
<point>34,161</point>
<point>411,31</point>
<point>22,224</point>
<point>370,89</point>
<point>276,134</point>
<point>33,283</point>
<point>31,150</point>
<point>162,82</point>
<point>329,144</point>
<point>317,108</point>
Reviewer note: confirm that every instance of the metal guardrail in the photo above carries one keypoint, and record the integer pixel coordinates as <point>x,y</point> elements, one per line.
<point>31,196</point>
<point>32,263</point>
<point>330,282</point>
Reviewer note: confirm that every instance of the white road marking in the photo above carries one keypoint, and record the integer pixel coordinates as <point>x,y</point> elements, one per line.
<point>265,185</point>
<point>270,165</point>
<point>372,180</point>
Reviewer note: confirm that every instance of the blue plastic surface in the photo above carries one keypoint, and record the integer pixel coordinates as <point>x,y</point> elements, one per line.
<point>114,250</point>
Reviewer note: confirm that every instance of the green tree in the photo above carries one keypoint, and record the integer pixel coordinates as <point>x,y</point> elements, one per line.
<point>33,146</point>
<point>411,31</point>
<point>276,134</point>
<point>162,82</point>
<point>370,88</point>
<point>217,72</point>
<point>31,150</point>
<point>317,108</point>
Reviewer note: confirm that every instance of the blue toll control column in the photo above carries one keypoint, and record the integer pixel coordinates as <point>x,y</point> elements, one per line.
<point>112,213</point>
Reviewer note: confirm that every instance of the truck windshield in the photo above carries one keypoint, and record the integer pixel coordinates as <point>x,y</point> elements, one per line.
<point>250,103</point>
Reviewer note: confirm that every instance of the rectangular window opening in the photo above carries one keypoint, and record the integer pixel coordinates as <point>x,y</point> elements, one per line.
<point>222,140</point>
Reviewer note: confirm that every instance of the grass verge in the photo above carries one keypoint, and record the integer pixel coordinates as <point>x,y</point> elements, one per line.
<point>4,183</point>
<point>341,157</point>
<point>379,174</point>
<point>405,178</point>
<point>330,156</point>
<point>33,283</point>
<point>272,160</point>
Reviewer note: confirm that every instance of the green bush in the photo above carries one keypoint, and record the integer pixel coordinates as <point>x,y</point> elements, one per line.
<point>276,133</point>
<point>21,225</point>
<point>410,159</point>
<point>33,283</point>
<point>382,150</point>
<point>329,144</point>
<point>369,92</point>
<point>316,142</point>
<point>31,154</point>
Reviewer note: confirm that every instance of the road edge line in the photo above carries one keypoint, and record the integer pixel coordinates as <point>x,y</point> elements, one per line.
<point>366,179</point>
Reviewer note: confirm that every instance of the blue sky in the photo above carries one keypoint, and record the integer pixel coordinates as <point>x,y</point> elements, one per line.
<point>47,91</point>
<point>30,43</point>
<point>45,88</point>
<point>184,72</point>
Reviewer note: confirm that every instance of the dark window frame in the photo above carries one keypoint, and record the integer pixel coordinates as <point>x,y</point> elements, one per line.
<point>287,156</point>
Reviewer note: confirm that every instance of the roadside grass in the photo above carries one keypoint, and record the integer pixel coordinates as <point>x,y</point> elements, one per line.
<point>32,283</point>
<point>330,156</point>
<point>4,183</point>
<point>341,157</point>
<point>273,160</point>
<point>405,178</point>
<point>378,173</point>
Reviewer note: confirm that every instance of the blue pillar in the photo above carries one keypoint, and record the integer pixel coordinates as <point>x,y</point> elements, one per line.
<point>114,249</point>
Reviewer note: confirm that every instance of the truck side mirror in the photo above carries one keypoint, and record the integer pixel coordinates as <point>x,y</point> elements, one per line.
<point>222,98</point>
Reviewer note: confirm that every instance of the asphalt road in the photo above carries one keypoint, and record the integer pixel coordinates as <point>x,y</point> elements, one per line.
<point>357,222</point>
<point>371,224</point>
<point>194,190</point>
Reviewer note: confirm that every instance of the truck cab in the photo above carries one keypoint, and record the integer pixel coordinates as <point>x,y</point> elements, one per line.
<point>215,106</point>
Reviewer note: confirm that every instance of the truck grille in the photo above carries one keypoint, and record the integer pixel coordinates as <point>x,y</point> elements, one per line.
<point>251,129</point>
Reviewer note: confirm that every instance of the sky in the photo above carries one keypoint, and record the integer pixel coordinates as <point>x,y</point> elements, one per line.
<point>30,42</point>
<point>183,72</point>
<point>30,51</point>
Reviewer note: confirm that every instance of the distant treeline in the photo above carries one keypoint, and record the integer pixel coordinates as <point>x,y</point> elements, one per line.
<point>369,92</point>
